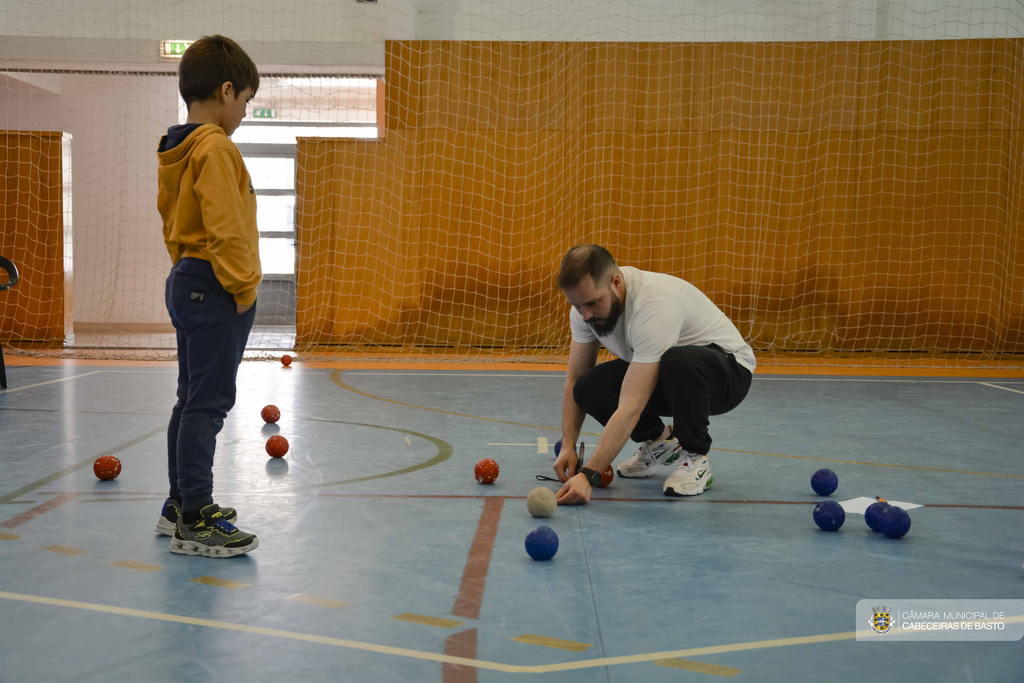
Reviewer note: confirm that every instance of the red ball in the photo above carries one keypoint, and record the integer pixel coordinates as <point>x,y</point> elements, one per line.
<point>606,477</point>
<point>486,471</point>
<point>286,360</point>
<point>271,414</point>
<point>277,446</point>
<point>106,467</point>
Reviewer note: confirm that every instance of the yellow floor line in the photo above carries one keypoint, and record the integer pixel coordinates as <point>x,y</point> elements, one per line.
<point>699,667</point>
<point>570,645</point>
<point>4,536</point>
<point>219,583</point>
<point>433,657</point>
<point>427,621</point>
<point>316,601</point>
<point>64,550</point>
<point>137,566</point>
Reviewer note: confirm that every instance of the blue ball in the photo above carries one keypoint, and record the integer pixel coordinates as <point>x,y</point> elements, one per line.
<point>894,522</point>
<point>542,543</point>
<point>829,515</point>
<point>824,482</point>
<point>873,512</point>
<point>558,447</point>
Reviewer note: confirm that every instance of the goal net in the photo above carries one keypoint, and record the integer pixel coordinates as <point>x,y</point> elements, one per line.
<point>843,181</point>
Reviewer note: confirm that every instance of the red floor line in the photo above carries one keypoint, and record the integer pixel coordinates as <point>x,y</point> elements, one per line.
<point>474,576</point>
<point>32,513</point>
<point>592,500</point>
<point>462,644</point>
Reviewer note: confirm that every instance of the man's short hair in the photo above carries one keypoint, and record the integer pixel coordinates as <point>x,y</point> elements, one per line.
<point>582,261</point>
<point>210,62</point>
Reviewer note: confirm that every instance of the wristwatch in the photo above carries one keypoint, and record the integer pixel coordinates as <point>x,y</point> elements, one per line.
<point>592,476</point>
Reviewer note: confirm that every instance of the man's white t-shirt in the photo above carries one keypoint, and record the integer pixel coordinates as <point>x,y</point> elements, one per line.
<point>662,311</point>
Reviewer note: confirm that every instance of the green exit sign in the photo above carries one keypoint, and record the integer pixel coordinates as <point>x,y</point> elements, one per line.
<point>264,113</point>
<point>174,48</point>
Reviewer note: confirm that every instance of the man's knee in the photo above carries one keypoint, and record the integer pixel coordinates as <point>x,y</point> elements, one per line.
<point>586,390</point>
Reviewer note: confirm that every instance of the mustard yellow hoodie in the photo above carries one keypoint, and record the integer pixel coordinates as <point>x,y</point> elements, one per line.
<point>208,206</point>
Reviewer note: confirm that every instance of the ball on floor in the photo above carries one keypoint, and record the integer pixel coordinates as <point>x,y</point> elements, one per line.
<point>607,477</point>
<point>541,502</point>
<point>558,447</point>
<point>824,482</point>
<point>277,446</point>
<point>829,515</point>
<point>542,543</point>
<point>486,471</point>
<point>286,360</point>
<point>873,512</point>
<point>106,467</point>
<point>270,414</point>
<point>894,522</point>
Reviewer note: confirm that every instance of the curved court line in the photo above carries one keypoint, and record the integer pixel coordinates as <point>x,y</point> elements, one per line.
<point>336,378</point>
<point>449,659</point>
<point>444,451</point>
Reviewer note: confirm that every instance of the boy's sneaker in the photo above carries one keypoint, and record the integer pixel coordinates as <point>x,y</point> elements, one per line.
<point>169,517</point>
<point>649,456</point>
<point>211,535</point>
<point>691,477</point>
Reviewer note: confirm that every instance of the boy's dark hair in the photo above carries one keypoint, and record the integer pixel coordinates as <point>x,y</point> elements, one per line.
<point>584,260</point>
<point>210,62</point>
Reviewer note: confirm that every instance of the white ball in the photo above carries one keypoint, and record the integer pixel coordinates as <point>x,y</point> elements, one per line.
<point>541,502</point>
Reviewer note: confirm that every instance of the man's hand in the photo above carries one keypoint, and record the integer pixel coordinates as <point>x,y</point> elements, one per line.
<point>566,463</point>
<point>240,309</point>
<point>576,491</point>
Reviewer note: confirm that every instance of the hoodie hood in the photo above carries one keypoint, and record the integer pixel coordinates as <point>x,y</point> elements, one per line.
<point>175,160</point>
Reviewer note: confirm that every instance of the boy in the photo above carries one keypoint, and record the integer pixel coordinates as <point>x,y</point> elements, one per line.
<point>208,207</point>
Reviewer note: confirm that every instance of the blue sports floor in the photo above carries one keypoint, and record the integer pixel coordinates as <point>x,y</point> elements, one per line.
<point>382,559</point>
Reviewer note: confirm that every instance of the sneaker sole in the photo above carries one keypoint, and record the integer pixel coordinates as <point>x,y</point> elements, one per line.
<point>639,474</point>
<point>683,493</point>
<point>195,548</point>
<point>165,527</point>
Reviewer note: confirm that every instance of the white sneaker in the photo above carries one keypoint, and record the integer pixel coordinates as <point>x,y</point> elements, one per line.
<point>648,456</point>
<point>691,477</point>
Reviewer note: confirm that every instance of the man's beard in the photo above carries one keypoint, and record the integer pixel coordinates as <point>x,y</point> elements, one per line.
<point>607,325</point>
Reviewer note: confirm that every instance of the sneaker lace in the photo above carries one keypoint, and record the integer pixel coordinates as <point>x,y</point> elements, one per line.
<point>644,453</point>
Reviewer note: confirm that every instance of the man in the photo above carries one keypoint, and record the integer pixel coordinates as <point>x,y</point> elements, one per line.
<point>678,355</point>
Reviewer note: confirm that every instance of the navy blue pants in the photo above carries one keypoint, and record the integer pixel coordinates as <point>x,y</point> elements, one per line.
<point>211,340</point>
<point>694,382</point>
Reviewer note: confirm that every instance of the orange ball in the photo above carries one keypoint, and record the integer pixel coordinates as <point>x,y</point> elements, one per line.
<point>270,414</point>
<point>286,360</point>
<point>106,467</point>
<point>277,446</point>
<point>606,477</point>
<point>486,471</point>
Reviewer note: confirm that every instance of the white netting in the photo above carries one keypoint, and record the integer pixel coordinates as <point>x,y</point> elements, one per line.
<point>843,179</point>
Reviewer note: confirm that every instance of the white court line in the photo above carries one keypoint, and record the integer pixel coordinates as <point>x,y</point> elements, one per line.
<point>4,392</point>
<point>996,386</point>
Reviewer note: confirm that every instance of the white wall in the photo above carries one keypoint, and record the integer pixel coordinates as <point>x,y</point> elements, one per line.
<point>118,246</point>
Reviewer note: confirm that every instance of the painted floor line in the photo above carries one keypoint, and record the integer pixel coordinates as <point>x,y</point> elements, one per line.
<point>316,601</point>
<point>996,386</point>
<point>65,550</point>
<point>703,500</point>
<point>336,378</point>
<point>52,381</point>
<point>425,620</point>
<point>699,667</point>
<point>4,536</point>
<point>557,643</point>
<point>434,657</point>
<point>136,566</point>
